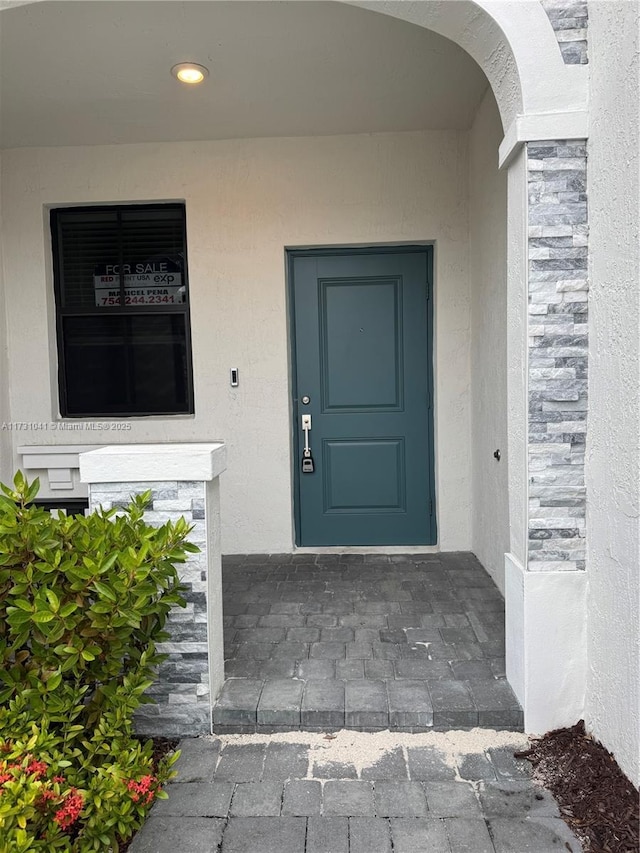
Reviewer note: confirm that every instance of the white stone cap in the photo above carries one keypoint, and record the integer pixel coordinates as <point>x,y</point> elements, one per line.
<point>140,463</point>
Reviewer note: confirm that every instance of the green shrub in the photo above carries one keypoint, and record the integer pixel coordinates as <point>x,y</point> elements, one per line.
<point>83,601</point>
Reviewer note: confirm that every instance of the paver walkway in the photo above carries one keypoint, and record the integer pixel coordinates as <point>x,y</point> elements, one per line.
<point>362,641</point>
<point>267,796</point>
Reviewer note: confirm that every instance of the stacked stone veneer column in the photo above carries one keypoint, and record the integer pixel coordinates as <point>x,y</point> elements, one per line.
<point>569,19</point>
<point>558,287</point>
<point>190,677</point>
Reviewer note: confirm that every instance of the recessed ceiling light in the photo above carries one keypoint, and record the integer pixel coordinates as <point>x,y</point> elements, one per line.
<point>190,72</point>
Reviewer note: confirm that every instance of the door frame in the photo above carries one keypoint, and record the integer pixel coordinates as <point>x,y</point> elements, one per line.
<point>291,253</point>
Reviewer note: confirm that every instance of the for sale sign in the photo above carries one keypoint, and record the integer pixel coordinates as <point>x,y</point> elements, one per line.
<point>147,283</point>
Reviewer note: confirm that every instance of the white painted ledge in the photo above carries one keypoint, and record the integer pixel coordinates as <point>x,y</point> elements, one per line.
<point>546,644</point>
<point>60,461</point>
<point>148,463</point>
<point>539,128</point>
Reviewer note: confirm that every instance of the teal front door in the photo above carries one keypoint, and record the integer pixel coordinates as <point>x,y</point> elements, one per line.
<point>361,356</point>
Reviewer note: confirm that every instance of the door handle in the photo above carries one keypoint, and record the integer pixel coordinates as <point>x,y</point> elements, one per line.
<point>307,458</point>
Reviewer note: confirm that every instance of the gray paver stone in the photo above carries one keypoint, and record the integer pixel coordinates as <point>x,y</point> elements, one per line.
<point>290,650</point>
<point>243,668</point>
<point>365,637</point>
<point>542,835</point>
<point>316,669</point>
<point>516,799</point>
<point>198,759</point>
<point>507,766</point>
<point>279,703</point>
<point>366,703</point>
<point>382,669</point>
<point>350,798</point>
<point>196,799</point>
<point>350,668</point>
<point>359,651</point>
<point>369,835</point>
<point>241,762</point>
<point>329,650</point>
<point>426,763</point>
<point>468,836</point>
<point>457,635</point>
<point>334,770</point>
<point>390,765</point>
<point>422,668</point>
<point>496,703</point>
<point>327,835</point>
<point>302,797</point>
<point>237,702</point>
<point>400,799</point>
<point>168,834</point>
<point>259,635</point>
<point>282,620</point>
<point>423,635</point>
<point>257,799</point>
<point>303,635</point>
<point>323,703</point>
<point>277,668</point>
<point>264,834</point>
<point>419,835</point>
<point>409,703</point>
<point>321,620</point>
<point>451,799</point>
<point>285,761</point>
<point>385,651</point>
<point>476,669</point>
<point>476,766</point>
<point>285,607</point>
<point>452,704</point>
<point>342,634</point>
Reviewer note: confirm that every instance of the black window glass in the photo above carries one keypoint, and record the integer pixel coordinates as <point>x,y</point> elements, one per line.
<point>122,305</point>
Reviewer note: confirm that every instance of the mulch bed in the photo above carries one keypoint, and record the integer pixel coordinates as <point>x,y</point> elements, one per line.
<point>595,797</point>
<point>161,746</point>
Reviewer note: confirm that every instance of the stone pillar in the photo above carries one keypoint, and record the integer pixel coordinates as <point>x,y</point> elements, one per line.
<point>569,19</point>
<point>558,340</point>
<point>546,596</point>
<point>183,479</point>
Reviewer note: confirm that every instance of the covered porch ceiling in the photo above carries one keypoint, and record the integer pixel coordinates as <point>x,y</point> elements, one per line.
<point>91,72</point>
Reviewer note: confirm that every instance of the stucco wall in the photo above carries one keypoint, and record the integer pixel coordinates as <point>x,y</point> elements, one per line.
<point>517,317</point>
<point>5,436</point>
<point>488,286</point>
<point>613,437</point>
<point>247,200</point>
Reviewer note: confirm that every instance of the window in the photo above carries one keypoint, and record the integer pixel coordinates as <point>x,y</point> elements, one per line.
<point>122,310</point>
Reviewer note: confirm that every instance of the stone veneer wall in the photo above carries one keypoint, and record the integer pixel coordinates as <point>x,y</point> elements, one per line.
<point>558,286</point>
<point>182,690</point>
<point>569,19</point>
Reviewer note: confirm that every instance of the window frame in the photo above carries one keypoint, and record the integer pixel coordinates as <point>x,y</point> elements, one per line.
<point>55,219</point>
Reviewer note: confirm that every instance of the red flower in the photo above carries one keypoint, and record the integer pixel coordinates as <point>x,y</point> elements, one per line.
<point>144,790</point>
<point>58,779</point>
<point>48,795</point>
<point>37,767</point>
<point>70,811</point>
<point>45,796</point>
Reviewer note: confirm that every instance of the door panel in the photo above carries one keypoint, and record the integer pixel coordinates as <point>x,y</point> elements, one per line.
<point>361,346</point>
<point>379,484</point>
<point>361,339</point>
